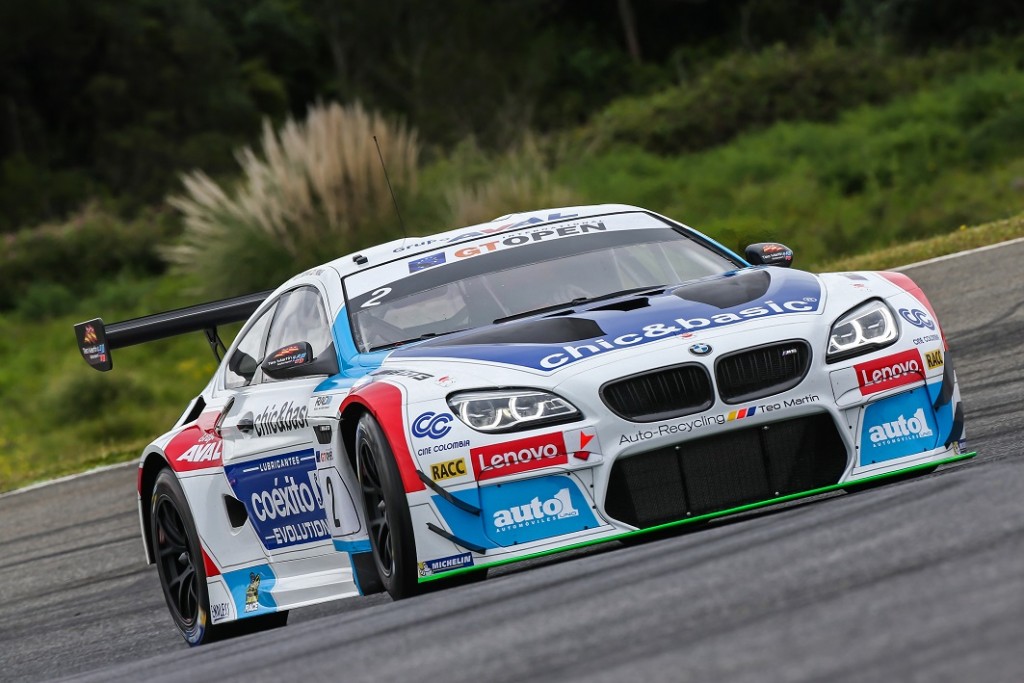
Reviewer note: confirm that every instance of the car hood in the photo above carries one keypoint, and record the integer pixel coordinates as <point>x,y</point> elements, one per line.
<point>559,340</point>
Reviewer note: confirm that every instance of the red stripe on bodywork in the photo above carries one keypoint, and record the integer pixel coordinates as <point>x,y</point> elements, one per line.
<point>911,288</point>
<point>209,565</point>
<point>197,446</point>
<point>384,401</point>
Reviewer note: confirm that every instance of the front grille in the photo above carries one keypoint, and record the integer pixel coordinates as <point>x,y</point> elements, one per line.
<point>722,472</point>
<point>762,371</point>
<point>660,394</point>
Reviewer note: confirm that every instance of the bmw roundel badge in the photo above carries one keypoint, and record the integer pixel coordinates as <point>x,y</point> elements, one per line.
<point>700,349</point>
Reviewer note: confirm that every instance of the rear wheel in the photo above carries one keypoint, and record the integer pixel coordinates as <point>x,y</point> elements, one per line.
<point>179,561</point>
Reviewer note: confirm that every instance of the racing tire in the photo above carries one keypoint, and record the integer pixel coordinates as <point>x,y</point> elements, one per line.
<point>387,511</point>
<point>179,561</point>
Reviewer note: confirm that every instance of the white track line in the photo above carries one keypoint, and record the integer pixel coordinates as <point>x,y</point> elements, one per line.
<point>958,254</point>
<point>69,477</point>
<point>105,468</point>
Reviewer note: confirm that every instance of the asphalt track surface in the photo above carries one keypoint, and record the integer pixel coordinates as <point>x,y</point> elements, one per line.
<point>917,581</point>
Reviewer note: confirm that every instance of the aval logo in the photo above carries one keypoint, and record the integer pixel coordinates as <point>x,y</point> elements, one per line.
<point>537,511</point>
<point>432,425</point>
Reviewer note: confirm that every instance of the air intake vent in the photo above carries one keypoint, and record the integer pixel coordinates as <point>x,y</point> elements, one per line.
<point>660,394</point>
<point>763,371</point>
<point>721,472</point>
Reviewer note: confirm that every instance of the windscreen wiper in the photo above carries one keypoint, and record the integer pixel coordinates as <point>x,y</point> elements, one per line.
<point>427,335</point>
<point>652,289</point>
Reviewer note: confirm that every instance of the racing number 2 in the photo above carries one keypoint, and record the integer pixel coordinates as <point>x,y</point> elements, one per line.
<point>333,503</point>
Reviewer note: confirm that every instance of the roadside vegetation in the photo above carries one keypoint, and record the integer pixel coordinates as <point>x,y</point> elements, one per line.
<point>861,134</point>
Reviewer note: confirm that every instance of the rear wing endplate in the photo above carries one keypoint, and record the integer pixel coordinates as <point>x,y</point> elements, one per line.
<point>96,340</point>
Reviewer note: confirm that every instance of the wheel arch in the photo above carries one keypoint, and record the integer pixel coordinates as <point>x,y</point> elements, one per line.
<point>152,464</point>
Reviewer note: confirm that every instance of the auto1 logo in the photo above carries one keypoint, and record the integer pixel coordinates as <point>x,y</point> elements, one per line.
<point>889,372</point>
<point>432,425</point>
<point>917,318</point>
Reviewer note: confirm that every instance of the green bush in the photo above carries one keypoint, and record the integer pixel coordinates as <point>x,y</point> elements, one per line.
<point>745,92</point>
<point>878,176</point>
<point>91,247</point>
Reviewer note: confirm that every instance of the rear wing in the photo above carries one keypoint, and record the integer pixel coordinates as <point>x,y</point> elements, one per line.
<point>96,340</point>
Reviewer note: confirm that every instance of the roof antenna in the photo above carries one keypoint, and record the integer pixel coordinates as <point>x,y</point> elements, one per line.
<point>390,189</point>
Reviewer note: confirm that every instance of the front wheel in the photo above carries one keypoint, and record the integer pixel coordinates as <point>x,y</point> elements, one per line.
<point>387,511</point>
<point>179,561</point>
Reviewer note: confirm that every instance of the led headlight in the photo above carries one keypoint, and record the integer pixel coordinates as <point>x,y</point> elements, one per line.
<point>868,327</point>
<point>507,410</point>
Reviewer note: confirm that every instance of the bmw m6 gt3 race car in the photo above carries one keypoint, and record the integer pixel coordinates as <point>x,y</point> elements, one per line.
<point>435,406</point>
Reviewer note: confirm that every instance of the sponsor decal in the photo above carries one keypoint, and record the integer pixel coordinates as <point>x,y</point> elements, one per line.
<point>426,262</point>
<point>933,359</point>
<point>278,419</point>
<point>529,510</point>
<point>693,424</point>
<point>442,447</point>
<point>432,425</point>
<point>325,455</point>
<point>522,455</point>
<point>444,564</point>
<point>322,402</point>
<point>889,372</point>
<point>529,236</point>
<point>90,335</point>
<point>655,331</point>
<point>483,232</point>
<point>445,381</point>
<point>448,469</point>
<point>197,446</point>
<point>219,611</point>
<point>700,349</point>
<point>282,496</point>
<point>398,372</point>
<point>917,318</point>
<point>207,449</point>
<point>582,443</point>
<point>250,590</point>
<point>252,593</point>
<point>927,339</point>
<point>898,426</point>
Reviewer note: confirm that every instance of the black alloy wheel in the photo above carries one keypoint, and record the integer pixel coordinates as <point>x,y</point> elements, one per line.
<point>179,561</point>
<point>387,511</point>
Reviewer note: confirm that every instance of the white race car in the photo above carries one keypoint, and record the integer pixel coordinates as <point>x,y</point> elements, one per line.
<point>435,406</point>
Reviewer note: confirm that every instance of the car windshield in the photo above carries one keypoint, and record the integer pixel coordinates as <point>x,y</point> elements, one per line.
<point>514,274</point>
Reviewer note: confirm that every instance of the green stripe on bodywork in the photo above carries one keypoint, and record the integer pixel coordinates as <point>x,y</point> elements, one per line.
<point>700,518</point>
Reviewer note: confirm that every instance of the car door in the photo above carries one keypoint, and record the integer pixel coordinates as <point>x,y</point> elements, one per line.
<point>269,446</point>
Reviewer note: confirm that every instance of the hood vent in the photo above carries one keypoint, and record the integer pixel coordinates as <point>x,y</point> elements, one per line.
<point>729,291</point>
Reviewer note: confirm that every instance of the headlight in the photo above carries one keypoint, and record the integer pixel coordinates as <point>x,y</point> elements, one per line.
<point>508,410</point>
<point>868,327</point>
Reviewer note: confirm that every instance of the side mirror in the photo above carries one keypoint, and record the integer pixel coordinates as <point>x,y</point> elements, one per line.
<point>296,360</point>
<point>769,254</point>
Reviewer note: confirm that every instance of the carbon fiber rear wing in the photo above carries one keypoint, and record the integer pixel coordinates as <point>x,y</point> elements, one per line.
<point>96,340</point>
